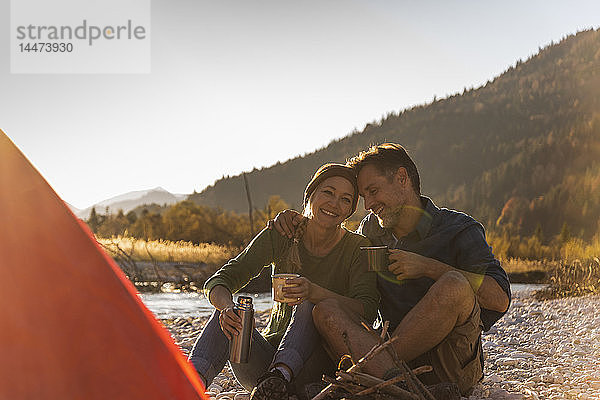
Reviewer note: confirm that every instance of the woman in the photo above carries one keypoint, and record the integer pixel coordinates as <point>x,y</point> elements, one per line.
<point>331,267</point>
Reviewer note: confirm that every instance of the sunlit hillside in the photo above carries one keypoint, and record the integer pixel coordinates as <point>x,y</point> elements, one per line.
<point>521,153</point>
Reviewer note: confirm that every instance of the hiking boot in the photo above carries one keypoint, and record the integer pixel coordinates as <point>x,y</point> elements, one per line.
<point>271,386</point>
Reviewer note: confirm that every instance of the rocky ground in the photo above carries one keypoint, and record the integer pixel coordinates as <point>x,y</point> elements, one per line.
<point>544,350</point>
<point>539,350</point>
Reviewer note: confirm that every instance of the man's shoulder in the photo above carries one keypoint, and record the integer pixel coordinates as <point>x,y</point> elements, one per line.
<point>452,219</point>
<point>370,227</point>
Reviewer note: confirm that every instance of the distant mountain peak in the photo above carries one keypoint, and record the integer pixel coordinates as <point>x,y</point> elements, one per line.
<point>130,200</point>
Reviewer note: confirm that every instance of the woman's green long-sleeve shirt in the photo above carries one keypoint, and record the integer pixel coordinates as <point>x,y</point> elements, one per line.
<point>343,271</point>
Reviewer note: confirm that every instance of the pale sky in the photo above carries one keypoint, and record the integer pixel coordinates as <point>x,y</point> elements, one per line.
<point>238,84</point>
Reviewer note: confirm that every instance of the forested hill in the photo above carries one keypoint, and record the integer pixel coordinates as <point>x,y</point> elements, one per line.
<point>519,153</point>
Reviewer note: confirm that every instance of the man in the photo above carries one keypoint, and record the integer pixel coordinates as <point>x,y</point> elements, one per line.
<point>443,286</point>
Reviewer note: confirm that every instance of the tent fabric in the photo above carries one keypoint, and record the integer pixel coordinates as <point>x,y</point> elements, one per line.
<point>71,324</point>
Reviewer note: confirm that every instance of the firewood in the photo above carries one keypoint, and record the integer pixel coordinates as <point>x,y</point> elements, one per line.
<point>420,392</point>
<point>421,388</point>
<point>393,381</point>
<point>369,381</point>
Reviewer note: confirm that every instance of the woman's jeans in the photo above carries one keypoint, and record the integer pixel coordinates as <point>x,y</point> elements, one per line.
<point>300,350</point>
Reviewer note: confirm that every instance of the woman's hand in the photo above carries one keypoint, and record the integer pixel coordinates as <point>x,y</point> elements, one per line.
<point>231,323</point>
<point>298,289</point>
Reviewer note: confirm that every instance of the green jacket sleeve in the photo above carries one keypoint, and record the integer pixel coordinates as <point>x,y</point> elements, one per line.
<point>363,283</point>
<point>237,272</point>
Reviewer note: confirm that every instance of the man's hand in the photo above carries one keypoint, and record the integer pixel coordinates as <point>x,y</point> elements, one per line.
<point>286,222</point>
<point>407,265</point>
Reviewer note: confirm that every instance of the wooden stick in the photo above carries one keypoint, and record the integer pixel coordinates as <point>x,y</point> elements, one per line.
<point>370,354</point>
<point>378,348</point>
<point>384,331</point>
<point>381,335</point>
<point>427,394</point>
<point>409,382</point>
<point>358,378</point>
<point>368,328</point>
<point>386,326</point>
<point>368,381</point>
<point>392,352</point>
<point>249,204</point>
<point>347,386</point>
<point>352,376</point>
<point>399,378</point>
<point>423,369</point>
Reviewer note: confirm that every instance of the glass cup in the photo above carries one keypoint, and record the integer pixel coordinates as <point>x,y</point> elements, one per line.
<point>377,257</point>
<point>278,284</point>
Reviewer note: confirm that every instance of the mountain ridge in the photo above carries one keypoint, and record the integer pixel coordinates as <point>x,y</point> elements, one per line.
<point>529,135</point>
<point>130,200</point>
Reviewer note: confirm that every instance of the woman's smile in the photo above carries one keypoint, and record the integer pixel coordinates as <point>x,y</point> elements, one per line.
<point>329,213</point>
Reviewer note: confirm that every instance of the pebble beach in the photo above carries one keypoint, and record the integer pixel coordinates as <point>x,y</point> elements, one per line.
<point>541,349</point>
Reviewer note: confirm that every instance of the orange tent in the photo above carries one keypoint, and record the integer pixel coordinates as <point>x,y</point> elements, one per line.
<point>71,324</point>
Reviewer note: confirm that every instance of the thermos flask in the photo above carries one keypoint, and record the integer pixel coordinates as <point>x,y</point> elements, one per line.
<point>239,346</point>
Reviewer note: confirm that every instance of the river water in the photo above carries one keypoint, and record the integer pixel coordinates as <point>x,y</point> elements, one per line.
<point>172,305</point>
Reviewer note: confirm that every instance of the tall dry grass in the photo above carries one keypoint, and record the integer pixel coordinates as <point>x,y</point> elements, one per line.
<point>565,277</point>
<point>577,273</point>
<point>575,278</point>
<point>577,249</point>
<point>167,251</point>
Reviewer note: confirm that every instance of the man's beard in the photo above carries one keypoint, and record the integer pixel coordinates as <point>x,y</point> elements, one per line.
<point>390,218</point>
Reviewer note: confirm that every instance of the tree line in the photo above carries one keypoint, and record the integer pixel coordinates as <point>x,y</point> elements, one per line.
<point>185,221</point>
<point>189,222</point>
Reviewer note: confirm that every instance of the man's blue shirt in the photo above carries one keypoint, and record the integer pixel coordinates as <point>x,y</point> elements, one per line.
<point>451,237</point>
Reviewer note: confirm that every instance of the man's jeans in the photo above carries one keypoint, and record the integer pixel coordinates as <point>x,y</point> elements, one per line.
<point>300,349</point>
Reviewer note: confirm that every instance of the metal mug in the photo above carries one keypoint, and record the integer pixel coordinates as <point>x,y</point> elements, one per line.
<point>377,257</point>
